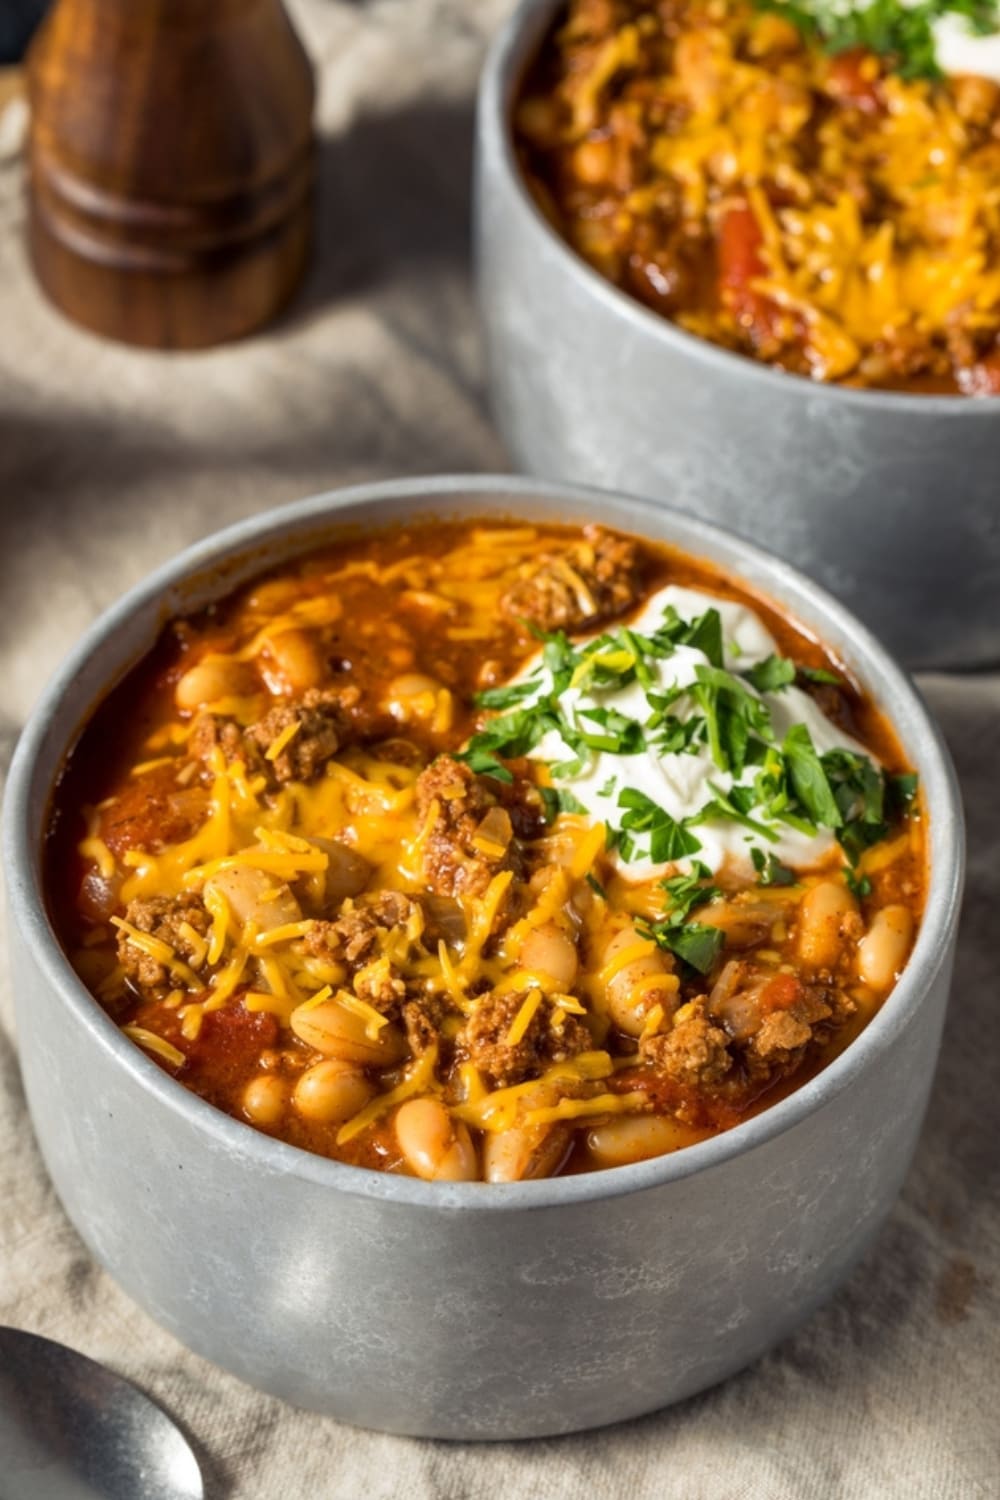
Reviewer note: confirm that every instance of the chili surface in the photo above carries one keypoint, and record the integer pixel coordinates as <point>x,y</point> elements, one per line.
<point>314,856</point>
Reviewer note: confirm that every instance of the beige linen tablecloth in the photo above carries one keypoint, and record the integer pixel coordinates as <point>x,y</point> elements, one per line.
<point>110,460</point>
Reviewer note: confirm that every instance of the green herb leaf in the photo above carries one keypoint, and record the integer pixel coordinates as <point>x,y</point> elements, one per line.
<point>772,674</point>
<point>821,675</point>
<point>621,736</point>
<point>770,870</point>
<point>694,942</point>
<point>556,800</point>
<point>668,839</point>
<point>900,790</point>
<point>807,777</point>
<point>859,788</point>
<point>902,32</point>
<point>484,764</point>
<point>734,805</point>
<point>732,715</point>
<point>697,945</point>
<point>688,891</point>
<point>705,634</point>
<point>506,696</point>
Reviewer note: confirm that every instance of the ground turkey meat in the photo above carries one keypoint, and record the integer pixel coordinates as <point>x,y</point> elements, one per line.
<point>354,938</point>
<point>380,985</point>
<point>323,723</point>
<point>758,1035</point>
<point>212,732</point>
<point>164,918</point>
<point>471,838</point>
<point>422,1020</point>
<point>593,581</point>
<point>779,1043</point>
<point>693,1051</point>
<point>483,1039</point>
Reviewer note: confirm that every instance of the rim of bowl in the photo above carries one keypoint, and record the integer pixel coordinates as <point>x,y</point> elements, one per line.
<point>508,55</point>
<point>487,494</point>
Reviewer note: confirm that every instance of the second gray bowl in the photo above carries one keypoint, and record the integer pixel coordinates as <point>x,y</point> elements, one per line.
<point>891,501</point>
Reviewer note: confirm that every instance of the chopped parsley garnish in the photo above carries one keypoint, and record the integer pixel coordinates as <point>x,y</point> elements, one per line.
<point>566,700</point>
<point>858,885</point>
<point>696,943</point>
<point>556,800</point>
<point>772,674</point>
<point>668,839</point>
<point>508,695</point>
<point>770,870</point>
<point>614,732</point>
<point>734,806</point>
<point>688,891</point>
<point>808,778</point>
<point>484,764</point>
<point>901,789</point>
<point>705,634</point>
<point>511,734</point>
<point>733,715</point>
<point>821,675</point>
<point>901,30</point>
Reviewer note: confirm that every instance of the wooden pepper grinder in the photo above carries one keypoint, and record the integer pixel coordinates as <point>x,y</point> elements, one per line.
<point>170,166</point>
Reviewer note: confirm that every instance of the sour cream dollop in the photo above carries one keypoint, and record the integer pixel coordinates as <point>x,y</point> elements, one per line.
<point>958,49</point>
<point>681,783</point>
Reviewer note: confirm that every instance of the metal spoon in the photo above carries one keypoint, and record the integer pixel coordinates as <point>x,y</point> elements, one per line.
<point>72,1430</point>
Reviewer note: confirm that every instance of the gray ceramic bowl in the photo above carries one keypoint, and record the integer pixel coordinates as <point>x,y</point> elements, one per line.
<point>892,501</point>
<point>461,1310</point>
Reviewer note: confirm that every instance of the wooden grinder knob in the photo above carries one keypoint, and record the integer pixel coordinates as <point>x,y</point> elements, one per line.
<point>170,166</point>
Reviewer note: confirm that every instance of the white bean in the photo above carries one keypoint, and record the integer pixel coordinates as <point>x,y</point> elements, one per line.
<point>346,874</point>
<point>551,950</point>
<point>264,1099</point>
<point>209,680</point>
<point>413,696</point>
<point>632,1138</point>
<point>824,913</point>
<point>882,953</point>
<point>331,1091</point>
<point>338,1032</point>
<point>629,1000</point>
<point>524,1152</point>
<point>254,896</point>
<point>436,1147</point>
<point>292,662</point>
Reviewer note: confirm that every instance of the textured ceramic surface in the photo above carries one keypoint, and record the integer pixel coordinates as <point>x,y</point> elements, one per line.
<point>890,500</point>
<point>460,1310</point>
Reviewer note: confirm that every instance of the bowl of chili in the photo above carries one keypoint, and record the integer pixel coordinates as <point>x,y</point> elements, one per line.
<point>200,949</point>
<point>710,265</point>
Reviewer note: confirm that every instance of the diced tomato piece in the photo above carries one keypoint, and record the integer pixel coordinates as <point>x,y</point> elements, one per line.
<point>779,993</point>
<point>229,1043</point>
<point>224,1052</point>
<point>740,264</point>
<point>853,78</point>
<point>152,810</point>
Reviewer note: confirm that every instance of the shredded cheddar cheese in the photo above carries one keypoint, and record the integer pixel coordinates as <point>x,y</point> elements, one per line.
<point>150,1042</point>
<point>524,1017</point>
<point>358,923</point>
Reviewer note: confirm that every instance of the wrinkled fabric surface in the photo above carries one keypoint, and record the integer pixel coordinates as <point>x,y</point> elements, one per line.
<point>110,460</point>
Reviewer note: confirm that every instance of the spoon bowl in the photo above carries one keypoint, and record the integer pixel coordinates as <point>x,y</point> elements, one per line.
<point>70,1429</point>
